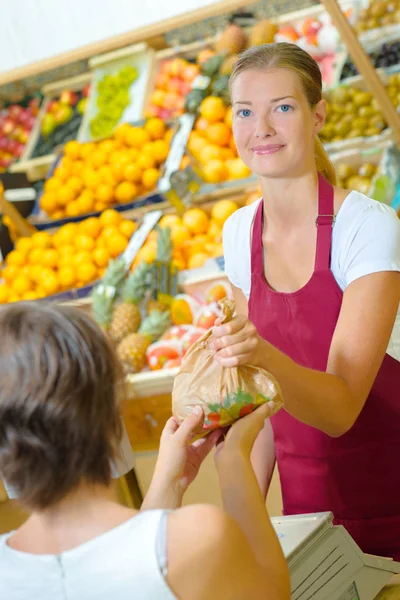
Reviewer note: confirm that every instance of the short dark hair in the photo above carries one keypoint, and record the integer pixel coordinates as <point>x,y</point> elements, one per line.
<point>60,384</point>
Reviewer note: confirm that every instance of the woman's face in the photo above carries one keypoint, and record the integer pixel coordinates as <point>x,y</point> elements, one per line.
<point>273,124</point>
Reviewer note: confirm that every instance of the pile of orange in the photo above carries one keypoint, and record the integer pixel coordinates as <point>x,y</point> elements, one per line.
<point>212,144</point>
<point>196,236</point>
<point>75,255</point>
<point>95,175</point>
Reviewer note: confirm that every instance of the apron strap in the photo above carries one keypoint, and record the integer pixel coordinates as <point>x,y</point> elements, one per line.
<point>257,263</point>
<point>324,223</point>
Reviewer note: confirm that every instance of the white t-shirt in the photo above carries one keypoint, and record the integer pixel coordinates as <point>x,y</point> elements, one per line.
<point>365,240</point>
<point>125,562</point>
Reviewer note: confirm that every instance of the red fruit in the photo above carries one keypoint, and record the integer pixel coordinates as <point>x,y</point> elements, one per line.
<point>69,98</point>
<point>174,85</point>
<point>8,126</point>
<point>14,111</point>
<point>160,352</point>
<point>53,106</point>
<point>246,410</point>
<point>212,421</point>
<point>34,106</point>
<point>86,90</point>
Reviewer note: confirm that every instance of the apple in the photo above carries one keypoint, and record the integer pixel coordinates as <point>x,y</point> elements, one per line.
<point>3,143</point>
<point>16,132</point>
<point>19,150</point>
<point>63,115</point>
<point>34,106</point>
<point>86,90</point>
<point>48,124</point>
<point>53,106</point>
<point>8,126</point>
<point>24,136</point>
<point>24,117</point>
<point>68,97</point>
<point>14,111</point>
<point>12,147</point>
<point>81,106</point>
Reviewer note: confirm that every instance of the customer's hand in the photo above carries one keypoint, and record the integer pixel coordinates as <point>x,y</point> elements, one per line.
<point>179,461</point>
<point>240,437</point>
<point>236,343</point>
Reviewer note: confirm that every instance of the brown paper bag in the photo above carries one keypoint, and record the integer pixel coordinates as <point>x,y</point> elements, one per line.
<point>225,394</point>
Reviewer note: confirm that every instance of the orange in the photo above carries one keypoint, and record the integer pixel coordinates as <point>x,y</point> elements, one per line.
<point>156,128</point>
<point>101,257</point>
<point>87,149</point>
<point>196,220</point>
<point>101,242</point>
<point>110,217</point>
<point>116,244</point>
<point>227,154</point>
<point>84,242</point>
<point>117,170</point>
<point>16,258</point>
<point>67,277</point>
<point>215,231</point>
<point>90,227</point>
<point>132,172</point>
<point>232,145</point>
<point>169,221</point>
<point>179,234</point>
<point>98,158</point>
<point>49,282</point>
<point>179,263</point>
<point>9,272</point>
<point>197,260</point>
<point>134,153</point>
<point>145,161</point>
<point>35,256</point>
<point>215,171</point>
<point>219,134</point>
<point>65,196</point>
<point>85,202</point>
<point>36,272</point>
<point>62,172</point>
<point>106,146</point>
<point>48,202</point>
<point>72,209</point>
<point>107,175</point>
<point>29,296</point>
<point>67,233</point>
<point>169,135</point>
<point>127,228</point>
<point>121,131</point>
<point>160,151</point>
<point>53,184</point>
<point>41,239</point>
<point>72,149</point>
<point>80,258</point>
<point>201,124</point>
<point>210,152</point>
<point>91,178</point>
<point>86,272</point>
<point>21,284</point>
<point>196,143</point>
<point>58,214</point>
<point>136,137</point>
<point>150,178</point>
<point>68,250</point>
<point>104,193</point>
<point>24,244</point>
<point>125,192</point>
<point>229,117</point>
<point>50,258</point>
<point>213,109</point>
<point>152,237</point>
<point>99,206</point>
<point>237,169</point>
<point>109,231</point>
<point>222,210</point>
<point>75,183</point>
<point>14,298</point>
<point>77,167</point>
<point>4,293</point>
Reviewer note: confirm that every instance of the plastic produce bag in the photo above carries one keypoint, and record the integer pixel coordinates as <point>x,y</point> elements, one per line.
<point>225,394</point>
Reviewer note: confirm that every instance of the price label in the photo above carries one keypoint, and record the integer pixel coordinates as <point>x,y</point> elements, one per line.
<point>177,150</point>
<point>137,240</point>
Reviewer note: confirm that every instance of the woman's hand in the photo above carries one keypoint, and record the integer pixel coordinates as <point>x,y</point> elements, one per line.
<point>236,343</point>
<point>179,461</point>
<point>241,436</point>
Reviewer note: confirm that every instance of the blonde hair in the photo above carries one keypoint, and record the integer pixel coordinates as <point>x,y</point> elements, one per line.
<point>289,56</point>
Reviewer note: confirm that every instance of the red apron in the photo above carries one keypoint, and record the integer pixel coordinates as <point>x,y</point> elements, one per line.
<point>356,476</point>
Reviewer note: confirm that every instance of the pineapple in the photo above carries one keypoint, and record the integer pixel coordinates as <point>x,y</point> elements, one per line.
<point>164,256</point>
<point>127,318</point>
<point>132,349</point>
<point>102,307</point>
<point>115,274</point>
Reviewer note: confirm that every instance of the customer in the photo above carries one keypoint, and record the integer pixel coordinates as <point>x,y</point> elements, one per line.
<point>59,432</point>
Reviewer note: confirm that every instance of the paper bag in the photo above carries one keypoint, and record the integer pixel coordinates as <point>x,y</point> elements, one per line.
<point>225,394</point>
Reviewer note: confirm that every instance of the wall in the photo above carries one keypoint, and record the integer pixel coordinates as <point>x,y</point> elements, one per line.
<point>32,30</point>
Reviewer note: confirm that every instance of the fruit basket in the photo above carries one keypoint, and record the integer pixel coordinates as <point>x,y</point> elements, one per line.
<point>354,118</point>
<point>119,91</point>
<point>121,171</point>
<point>16,124</point>
<point>374,172</point>
<point>58,122</point>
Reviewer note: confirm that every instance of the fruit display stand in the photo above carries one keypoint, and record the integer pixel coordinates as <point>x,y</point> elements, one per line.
<point>36,160</point>
<point>120,89</point>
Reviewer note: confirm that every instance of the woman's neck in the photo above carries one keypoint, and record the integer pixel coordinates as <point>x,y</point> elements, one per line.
<point>289,201</point>
<point>81,516</point>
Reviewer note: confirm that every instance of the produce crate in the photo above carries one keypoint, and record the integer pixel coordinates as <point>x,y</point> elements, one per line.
<point>140,57</point>
<point>35,161</point>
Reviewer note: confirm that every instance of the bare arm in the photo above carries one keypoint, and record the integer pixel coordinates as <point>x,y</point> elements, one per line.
<point>333,400</point>
<point>263,453</point>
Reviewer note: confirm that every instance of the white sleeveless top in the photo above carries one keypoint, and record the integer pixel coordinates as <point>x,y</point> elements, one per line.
<point>125,563</point>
